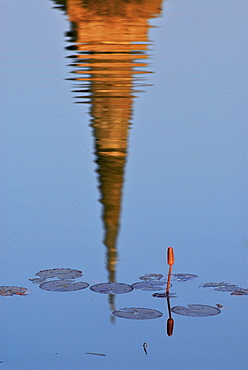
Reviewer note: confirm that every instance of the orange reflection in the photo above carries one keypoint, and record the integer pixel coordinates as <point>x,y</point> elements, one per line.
<point>110,41</point>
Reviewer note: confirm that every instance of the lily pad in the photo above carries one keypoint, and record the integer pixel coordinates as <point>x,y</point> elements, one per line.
<point>183,277</point>
<point>227,288</point>
<point>111,288</point>
<point>151,277</point>
<point>60,273</point>
<point>221,286</point>
<point>37,280</point>
<point>240,292</point>
<point>196,310</point>
<point>136,313</point>
<point>8,291</point>
<point>150,285</point>
<point>164,295</point>
<point>63,285</point>
<point>214,285</point>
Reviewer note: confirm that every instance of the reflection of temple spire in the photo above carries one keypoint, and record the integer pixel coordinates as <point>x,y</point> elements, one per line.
<point>110,171</point>
<point>110,38</point>
<point>110,122</point>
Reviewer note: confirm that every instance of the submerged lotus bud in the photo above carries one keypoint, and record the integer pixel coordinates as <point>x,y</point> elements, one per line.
<point>170,256</point>
<point>170,326</point>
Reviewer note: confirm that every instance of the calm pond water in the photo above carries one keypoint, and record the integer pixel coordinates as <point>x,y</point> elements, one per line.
<point>104,165</point>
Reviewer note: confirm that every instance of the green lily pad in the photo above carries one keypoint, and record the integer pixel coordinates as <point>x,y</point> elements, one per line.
<point>240,292</point>
<point>37,280</point>
<point>111,288</point>
<point>63,285</point>
<point>7,291</point>
<point>183,277</point>
<point>136,313</point>
<point>227,288</point>
<point>149,285</point>
<point>196,310</point>
<point>60,273</point>
<point>214,285</point>
<point>151,277</point>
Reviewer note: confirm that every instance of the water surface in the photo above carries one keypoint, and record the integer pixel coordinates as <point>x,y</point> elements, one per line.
<point>104,165</point>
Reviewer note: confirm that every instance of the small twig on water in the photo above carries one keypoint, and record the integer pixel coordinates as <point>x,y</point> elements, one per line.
<point>96,354</point>
<point>145,345</point>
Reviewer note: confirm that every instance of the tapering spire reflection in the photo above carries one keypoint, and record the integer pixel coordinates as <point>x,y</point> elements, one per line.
<point>110,38</point>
